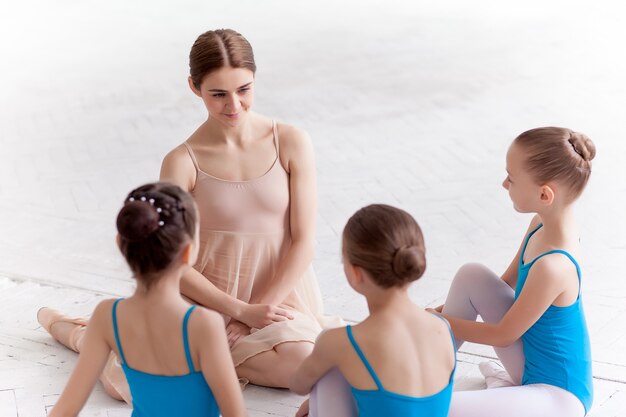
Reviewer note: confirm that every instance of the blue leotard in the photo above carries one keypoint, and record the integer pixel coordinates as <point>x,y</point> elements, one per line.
<point>164,395</point>
<point>380,402</point>
<point>556,347</point>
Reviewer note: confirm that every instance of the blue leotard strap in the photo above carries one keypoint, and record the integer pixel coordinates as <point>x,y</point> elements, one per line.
<point>453,341</point>
<point>561,251</point>
<point>363,358</point>
<point>117,336</point>
<point>571,258</point>
<point>521,257</point>
<point>186,340</point>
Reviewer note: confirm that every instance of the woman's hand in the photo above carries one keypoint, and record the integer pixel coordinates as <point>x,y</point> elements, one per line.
<point>303,411</point>
<point>258,316</point>
<point>235,330</point>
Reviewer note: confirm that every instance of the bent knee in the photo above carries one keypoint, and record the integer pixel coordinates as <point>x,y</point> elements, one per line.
<point>275,368</point>
<point>472,272</point>
<point>111,390</point>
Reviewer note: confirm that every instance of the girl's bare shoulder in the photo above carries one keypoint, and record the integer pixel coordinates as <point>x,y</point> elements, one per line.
<point>206,318</point>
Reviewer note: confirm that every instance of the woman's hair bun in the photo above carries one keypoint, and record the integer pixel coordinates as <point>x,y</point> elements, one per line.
<point>409,261</point>
<point>582,145</point>
<point>137,220</point>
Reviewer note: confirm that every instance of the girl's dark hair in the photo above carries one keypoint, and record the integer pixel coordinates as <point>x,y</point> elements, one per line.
<point>387,242</point>
<point>216,49</point>
<point>558,154</point>
<point>154,225</point>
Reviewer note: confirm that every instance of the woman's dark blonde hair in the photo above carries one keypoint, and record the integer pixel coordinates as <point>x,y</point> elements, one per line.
<point>558,154</point>
<point>387,242</point>
<point>216,49</point>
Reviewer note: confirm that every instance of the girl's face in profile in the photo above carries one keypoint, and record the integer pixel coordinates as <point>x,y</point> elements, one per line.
<point>522,189</point>
<point>228,94</point>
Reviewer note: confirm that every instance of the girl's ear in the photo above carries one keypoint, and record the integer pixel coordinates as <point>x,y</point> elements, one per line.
<point>187,254</point>
<point>547,195</point>
<point>357,275</point>
<point>118,240</point>
<point>193,87</point>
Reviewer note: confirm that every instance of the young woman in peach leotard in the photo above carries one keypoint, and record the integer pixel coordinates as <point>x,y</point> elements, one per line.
<point>254,182</point>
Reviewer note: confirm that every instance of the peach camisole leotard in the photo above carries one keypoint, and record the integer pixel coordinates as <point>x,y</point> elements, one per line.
<point>244,235</point>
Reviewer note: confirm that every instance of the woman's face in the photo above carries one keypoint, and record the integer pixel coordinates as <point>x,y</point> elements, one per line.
<point>228,94</point>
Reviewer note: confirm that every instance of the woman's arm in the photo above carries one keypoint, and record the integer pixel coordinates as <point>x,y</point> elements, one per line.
<point>178,168</point>
<point>545,282</point>
<point>216,362</point>
<point>198,288</point>
<point>298,158</point>
<point>318,363</point>
<point>91,361</point>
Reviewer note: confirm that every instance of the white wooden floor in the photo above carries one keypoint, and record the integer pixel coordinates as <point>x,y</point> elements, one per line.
<point>408,103</point>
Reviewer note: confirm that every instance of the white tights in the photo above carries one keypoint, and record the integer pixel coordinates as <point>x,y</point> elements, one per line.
<point>536,400</point>
<point>332,397</point>
<point>475,291</point>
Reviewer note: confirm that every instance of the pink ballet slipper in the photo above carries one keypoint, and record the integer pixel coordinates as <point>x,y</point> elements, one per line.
<point>48,317</point>
<point>243,383</point>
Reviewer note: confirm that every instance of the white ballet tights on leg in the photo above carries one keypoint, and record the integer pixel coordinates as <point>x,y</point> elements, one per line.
<point>332,397</point>
<point>476,290</point>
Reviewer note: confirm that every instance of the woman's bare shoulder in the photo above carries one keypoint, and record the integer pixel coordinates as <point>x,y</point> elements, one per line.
<point>295,146</point>
<point>179,154</point>
<point>178,168</point>
<point>289,134</point>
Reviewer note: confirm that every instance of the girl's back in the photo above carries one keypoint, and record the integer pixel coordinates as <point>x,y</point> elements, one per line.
<point>160,367</point>
<point>412,354</point>
<point>400,360</point>
<point>146,333</point>
<point>173,356</point>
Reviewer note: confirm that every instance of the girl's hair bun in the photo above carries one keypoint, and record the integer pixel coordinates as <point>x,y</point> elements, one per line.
<point>582,145</point>
<point>409,261</point>
<point>156,221</point>
<point>137,220</point>
<point>558,154</point>
<point>387,242</point>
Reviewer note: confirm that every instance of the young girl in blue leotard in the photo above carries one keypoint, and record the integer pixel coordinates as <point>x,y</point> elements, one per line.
<point>399,361</point>
<point>533,314</point>
<point>175,355</point>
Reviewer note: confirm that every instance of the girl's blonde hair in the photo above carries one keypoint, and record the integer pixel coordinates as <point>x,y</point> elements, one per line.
<point>558,154</point>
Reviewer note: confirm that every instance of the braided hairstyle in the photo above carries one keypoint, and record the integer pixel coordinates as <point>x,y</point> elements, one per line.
<point>387,242</point>
<point>558,154</point>
<point>155,223</point>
